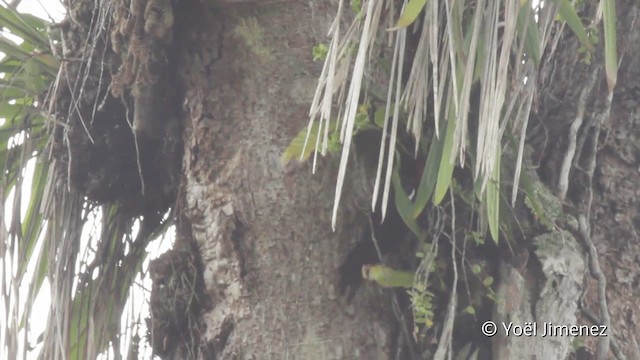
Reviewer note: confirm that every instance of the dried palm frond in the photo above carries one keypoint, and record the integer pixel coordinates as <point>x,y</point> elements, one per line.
<point>48,242</point>
<point>493,47</point>
<point>27,69</point>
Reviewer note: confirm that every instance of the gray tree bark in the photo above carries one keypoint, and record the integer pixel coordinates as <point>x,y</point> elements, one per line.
<point>590,160</point>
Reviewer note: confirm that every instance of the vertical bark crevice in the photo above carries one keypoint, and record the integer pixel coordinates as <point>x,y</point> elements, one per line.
<point>600,185</point>
<point>270,260</point>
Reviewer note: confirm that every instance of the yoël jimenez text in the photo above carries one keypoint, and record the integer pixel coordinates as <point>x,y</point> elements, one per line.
<point>551,330</point>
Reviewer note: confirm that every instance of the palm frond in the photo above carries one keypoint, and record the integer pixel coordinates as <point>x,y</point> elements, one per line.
<point>468,94</point>
<point>491,49</point>
<point>26,70</point>
<point>47,237</point>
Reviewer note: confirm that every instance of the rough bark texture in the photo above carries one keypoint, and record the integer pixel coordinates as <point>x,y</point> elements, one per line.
<point>270,259</point>
<point>531,301</point>
<point>573,93</point>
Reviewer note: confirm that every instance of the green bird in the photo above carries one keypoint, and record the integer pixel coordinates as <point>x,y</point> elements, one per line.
<point>387,277</point>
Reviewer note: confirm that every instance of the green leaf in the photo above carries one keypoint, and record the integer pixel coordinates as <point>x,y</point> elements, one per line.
<point>493,200</point>
<point>378,117</point>
<point>429,176</point>
<point>33,221</point>
<point>402,202</point>
<point>10,91</point>
<point>11,49</point>
<point>296,149</point>
<point>42,269</point>
<point>356,6</point>
<point>27,27</point>
<point>531,34</point>
<point>410,13</point>
<point>320,52</point>
<point>476,269</point>
<point>470,310</point>
<point>568,13</point>
<point>446,165</point>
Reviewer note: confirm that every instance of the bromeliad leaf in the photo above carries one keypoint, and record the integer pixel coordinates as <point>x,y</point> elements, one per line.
<point>526,17</point>
<point>410,13</point>
<point>429,176</point>
<point>446,164</point>
<point>493,200</point>
<point>568,13</point>
<point>27,27</point>
<point>403,204</point>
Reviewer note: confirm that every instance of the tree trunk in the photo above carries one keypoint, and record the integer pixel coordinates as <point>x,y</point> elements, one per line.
<point>270,260</point>
<point>590,159</point>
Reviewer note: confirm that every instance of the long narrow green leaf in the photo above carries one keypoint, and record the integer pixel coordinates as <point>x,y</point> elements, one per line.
<point>402,202</point>
<point>41,271</point>
<point>9,65</point>
<point>33,221</point>
<point>9,111</point>
<point>10,91</point>
<point>507,218</point>
<point>27,27</point>
<point>445,171</point>
<point>79,321</point>
<point>296,149</point>
<point>531,34</point>
<point>429,176</point>
<point>610,39</point>
<point>11,49</point>
<point>456,38</point>
<point>568,13</point>
<point>410,13</point>
<point>493,199</point>
<point>16,56</point>
<point>480,59</point>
